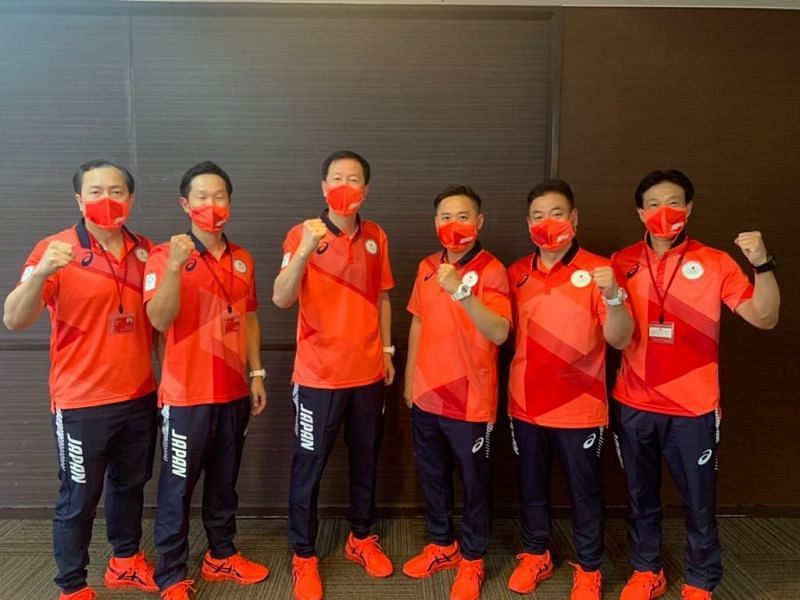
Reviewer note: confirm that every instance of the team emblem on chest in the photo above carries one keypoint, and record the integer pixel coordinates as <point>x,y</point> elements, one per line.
<point>470,278</point>
<point>240,266</point>
<point>141,254</point>
<point>693,270</point>
<point>580,278</point>
<point>371,246</point>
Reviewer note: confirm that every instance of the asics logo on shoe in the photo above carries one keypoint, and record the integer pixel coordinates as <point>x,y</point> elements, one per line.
<point>223,568</point>
<point>590,441</point>
<point>129,576</point>
<point>477,445</point>
<point>306,418</point>
<point>705,457</point>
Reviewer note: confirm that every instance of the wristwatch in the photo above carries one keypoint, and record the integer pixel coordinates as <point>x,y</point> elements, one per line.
<point>770,265</point>
<point>259,373</point>
<point>461,292</point>
<point>389,350</point>
<point>621,296</point>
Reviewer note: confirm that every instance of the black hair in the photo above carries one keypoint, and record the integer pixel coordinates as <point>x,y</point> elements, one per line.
<point>342,154</point>
<point>556,186</point>
<point>204,168</point>
<point>77,178</point>
<point>656,177</point>
<point>458,190</point>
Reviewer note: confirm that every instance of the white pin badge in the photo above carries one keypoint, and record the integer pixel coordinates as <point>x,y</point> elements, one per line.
<point>693,270</point>
<point>240,266</point>
<point>470,279</point>
<point>371,246</point>
<point>142,254</point>
<point>580,278</point>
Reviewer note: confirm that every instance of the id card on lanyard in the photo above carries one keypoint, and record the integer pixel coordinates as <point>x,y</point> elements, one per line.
<point>661,331</point>
<point>231,320</point>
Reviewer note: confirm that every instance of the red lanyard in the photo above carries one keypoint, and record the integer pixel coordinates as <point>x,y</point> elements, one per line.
<point>662,299</point>
<point>120,285</point>
<point>227,292</point>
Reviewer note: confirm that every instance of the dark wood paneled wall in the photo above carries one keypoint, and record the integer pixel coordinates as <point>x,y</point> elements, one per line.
<point>430,97</point>
<point>716,94</point>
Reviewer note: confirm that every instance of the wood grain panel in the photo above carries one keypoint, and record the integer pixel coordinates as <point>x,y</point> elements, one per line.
<point>428,101</point>
<point>714,93</point>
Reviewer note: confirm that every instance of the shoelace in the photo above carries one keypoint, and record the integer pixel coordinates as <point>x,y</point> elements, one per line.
<point>533,562</point>
<point>183,586</point>
<point>470,571</point>
<point>369,545</point>
<point>590,580</point>
<point>300,567</point>
<point>645,580</point>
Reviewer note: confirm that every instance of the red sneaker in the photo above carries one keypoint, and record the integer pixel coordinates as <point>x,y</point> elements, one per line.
<point>644,585</point>
<point>586,585</point>
<point>178,591</point>
<point>234,568</point>
<point>469,579</point>
<point>133,571</point>
<point>368,553</point>
<point>432,559</point>
<point>307,582</point>
<point>86,593</point>
<point>689,592</point>
<point>531,570</point>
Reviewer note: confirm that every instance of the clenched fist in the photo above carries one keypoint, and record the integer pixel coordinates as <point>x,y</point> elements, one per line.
<point>605,280</point>
<point>448,278</point>
<point>56,256</point>
<point>313,232</point>
<point>180,249</point>
<point>752,245</point>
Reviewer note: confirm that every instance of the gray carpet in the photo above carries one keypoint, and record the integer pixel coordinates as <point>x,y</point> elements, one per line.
<point>762,561</point>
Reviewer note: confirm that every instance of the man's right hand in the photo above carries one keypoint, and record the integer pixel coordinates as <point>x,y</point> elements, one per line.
<point>313,232</point>
<point>180,249</point>
<point>57,256</point>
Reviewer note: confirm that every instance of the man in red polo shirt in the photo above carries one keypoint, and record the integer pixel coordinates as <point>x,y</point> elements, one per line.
<point>337,267</point>
<point>199,289</point>
<point>667,391</point>
<point>567,305</point>
<point>462,313</point>
<point>101,381</point>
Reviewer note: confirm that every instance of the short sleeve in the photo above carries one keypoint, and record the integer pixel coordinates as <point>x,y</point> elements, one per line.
<point>154,272</point>
<point>290,245</point>
<point>736,288</point>
<point>387,279</point>
<point>415,302</point>
<point>495,292</point>
<point>50,288</point>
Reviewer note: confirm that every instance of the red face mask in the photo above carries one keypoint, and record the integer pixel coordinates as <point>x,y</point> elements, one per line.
<point>345,199</point>
<point>107,213</point>
<point>665,222</point>
<point>210,217</point>
<point>457,236</point>
<point>552,234</point>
